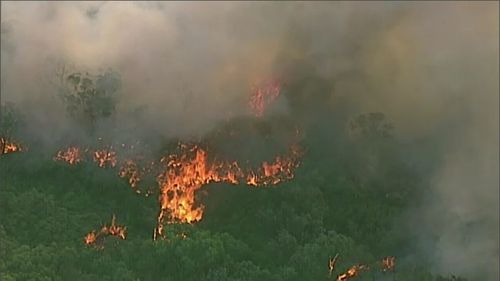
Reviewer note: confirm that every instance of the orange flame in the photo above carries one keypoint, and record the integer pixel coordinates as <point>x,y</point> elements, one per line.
<point>388,263</point>
<point>96,238</point>
<point>262,96</point>
<point>185,173</point>
<point>7,146</point>
<point>352,272</point>
<point>280,170</point>
<point>188,172</point>
<point>90,238</point>
<point>105,157</point>
<point>71,155</point>
<point>184,176</point>
<point>116,230</point>
<point>130,170</point>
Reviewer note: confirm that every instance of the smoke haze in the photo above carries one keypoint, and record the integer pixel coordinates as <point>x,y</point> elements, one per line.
<point>432,68</point>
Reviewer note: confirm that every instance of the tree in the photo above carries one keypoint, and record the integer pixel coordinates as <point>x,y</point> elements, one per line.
<point>90,98</point>
<point>10,119</point>
<point>372,124</point>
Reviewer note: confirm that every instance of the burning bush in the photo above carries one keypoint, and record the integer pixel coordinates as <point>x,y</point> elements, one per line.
<point>96,238</point>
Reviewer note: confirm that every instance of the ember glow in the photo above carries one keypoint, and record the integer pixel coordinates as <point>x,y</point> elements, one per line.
<point>108,158</point>
<point>352,272</point>
<point>263,96</point>
<point>388,263</point>
<point>90,238</point>
<point>72,155</point>
<point>105,157</point>
<point>7,146</point>
<point>134,173</point>
<point>130,170</point>
<point>97,238</point>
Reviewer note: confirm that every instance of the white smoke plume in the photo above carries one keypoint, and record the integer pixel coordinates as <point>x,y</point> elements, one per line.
<point>432,67</point>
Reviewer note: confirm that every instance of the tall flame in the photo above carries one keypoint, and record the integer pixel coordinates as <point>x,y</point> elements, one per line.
<point>131,170</point>
<point>187,172</point>
<point>180,175</point>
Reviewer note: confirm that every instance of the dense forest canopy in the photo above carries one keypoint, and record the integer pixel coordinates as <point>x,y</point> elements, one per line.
<point>249,141</point>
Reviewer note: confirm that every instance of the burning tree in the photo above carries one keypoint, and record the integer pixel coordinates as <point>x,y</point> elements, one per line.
<point>180,175</point>
<point>72,155</point>
<point>191,169</point>
<point>10,123</point>
<point>352,272</point>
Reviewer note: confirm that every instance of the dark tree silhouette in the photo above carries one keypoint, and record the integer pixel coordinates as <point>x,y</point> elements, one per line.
<point>89,99</point>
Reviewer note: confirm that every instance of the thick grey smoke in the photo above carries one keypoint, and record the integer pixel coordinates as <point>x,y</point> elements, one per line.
<point>431,67</point>
<point>192,64</point>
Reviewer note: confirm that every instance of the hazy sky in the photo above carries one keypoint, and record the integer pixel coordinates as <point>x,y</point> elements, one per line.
<point>431,67</point>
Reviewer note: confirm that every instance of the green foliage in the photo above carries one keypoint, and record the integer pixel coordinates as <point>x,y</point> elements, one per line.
<point>283,233</point>
<point>11,120</point>
<point>371,125</point>
<point>346,198</point>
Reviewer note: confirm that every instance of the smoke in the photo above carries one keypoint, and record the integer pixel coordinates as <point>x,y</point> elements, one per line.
<point>191,64</point>
<point>436,73</point>
<point>432,68</point>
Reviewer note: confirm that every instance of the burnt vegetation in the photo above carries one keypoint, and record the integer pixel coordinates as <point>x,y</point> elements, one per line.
<point>348,196</point>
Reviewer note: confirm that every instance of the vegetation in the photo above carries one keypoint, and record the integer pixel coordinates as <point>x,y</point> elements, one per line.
<point>11,119</point>
<point>346,198</point>
<point>88,99</point>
